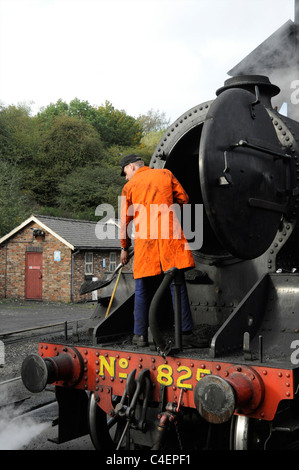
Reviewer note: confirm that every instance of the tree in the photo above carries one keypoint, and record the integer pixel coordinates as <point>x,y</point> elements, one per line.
<point>81,191</point>
<point>15,205</point>
<point>47,114</point>
<point>68,144</point>
<point>114,154</point>
<point>114,126</point>
<point>154,121</point>
<point>66,160</point>
<point>149,142</point>
<point>19,138</point>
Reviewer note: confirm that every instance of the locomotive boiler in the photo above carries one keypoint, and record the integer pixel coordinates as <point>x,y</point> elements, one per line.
<point>237,157</point>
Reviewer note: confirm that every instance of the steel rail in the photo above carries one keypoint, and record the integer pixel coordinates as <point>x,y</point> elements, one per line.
<point>15,332</point>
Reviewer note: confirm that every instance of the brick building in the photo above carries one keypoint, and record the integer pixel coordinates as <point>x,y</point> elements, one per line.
<point>48,258</point>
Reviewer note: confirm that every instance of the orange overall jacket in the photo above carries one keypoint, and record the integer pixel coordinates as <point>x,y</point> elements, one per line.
<point>159,242</point>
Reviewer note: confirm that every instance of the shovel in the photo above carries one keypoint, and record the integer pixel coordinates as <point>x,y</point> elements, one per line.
<point>113,293</point>
<point>89,286</point>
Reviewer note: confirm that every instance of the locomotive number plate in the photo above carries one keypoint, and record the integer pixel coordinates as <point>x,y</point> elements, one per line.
<point>171,373</point>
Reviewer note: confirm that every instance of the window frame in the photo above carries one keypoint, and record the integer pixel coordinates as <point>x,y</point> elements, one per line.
<point>88,263</point>
<point>112,263</point>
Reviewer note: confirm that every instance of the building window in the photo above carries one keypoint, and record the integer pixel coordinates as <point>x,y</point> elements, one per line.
<point>88,263</point>
<point>112,265</point>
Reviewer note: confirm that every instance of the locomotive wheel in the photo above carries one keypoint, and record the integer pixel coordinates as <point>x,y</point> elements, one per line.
<point>98,427</point>
<point>106,433</point>
<point>247,433</point>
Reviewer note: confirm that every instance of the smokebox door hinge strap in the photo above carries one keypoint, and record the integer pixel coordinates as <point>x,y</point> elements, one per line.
<point>257,101</point>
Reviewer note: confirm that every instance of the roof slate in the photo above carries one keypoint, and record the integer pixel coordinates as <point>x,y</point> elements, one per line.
<point>76,234</point>
<point>83,233</point>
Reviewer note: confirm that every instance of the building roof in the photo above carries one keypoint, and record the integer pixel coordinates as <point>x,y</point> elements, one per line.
<point>76,234</point>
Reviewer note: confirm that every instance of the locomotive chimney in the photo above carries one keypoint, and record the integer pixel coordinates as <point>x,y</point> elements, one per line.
<point>249,82</point>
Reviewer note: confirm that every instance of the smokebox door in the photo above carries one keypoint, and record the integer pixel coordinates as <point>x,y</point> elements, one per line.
<point>243,173</point>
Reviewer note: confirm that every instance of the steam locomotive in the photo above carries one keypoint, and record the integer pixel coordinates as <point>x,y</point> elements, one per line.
<point>238,158</point>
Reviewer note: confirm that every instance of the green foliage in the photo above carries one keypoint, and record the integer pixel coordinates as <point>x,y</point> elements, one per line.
<point>88,187</point>
<point>65,160</point>
<point>15,204</point>
<point>116,127</point>
<point>149,142</point>
<point>46,115</point>
<point>18,134</point>
<point>69,143</point>
<point>112,125</point>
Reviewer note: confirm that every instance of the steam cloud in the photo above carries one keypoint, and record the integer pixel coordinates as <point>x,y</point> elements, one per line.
<point>277,58</point>
<point>14,435</point>
<point>17,431</point>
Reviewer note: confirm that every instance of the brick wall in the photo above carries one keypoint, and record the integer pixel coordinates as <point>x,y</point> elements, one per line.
<point>57,275</point>
<point>79,271</point>
<point>101,263</point>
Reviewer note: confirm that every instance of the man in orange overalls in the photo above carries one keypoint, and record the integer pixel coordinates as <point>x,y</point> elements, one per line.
<point>158,245</point>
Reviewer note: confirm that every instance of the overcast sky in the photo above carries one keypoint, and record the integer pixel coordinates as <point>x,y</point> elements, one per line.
<point>166,55</point>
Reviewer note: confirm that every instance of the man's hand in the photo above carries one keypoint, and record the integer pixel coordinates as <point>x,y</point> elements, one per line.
<point>124,257</point>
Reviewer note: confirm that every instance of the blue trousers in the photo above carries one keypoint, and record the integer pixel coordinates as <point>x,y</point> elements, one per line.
<point>145,289</point>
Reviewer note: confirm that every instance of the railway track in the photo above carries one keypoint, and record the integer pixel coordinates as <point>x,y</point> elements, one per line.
<point>13,402</point>
<point>28,421</point>
<point>24,415</point>
<point>66,328</point>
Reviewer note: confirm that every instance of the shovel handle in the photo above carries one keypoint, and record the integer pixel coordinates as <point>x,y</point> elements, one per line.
<point>113,293</point>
